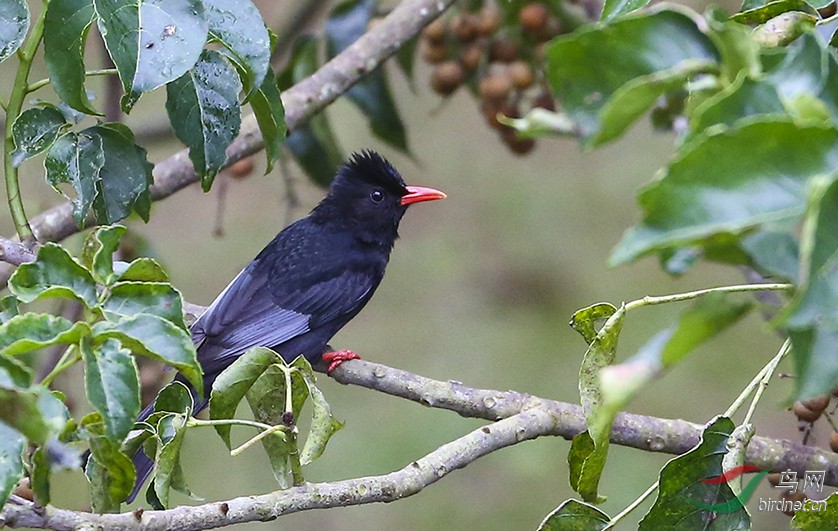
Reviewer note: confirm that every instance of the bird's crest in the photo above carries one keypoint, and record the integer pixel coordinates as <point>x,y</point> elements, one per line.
<point>370,167</point>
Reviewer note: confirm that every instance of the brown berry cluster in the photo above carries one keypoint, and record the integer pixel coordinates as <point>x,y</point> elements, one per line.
<point>494,54</point>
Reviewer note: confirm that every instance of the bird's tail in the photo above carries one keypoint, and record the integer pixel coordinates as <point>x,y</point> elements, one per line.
<point>143,463</point>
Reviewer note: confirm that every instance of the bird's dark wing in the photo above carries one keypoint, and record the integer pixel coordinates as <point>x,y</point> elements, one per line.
<point>255,311</point>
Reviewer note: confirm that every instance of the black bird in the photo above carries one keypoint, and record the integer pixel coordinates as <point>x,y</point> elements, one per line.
<point>313,278</point>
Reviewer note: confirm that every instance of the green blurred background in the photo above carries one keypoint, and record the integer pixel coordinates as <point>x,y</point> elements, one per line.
<point>479,289</point>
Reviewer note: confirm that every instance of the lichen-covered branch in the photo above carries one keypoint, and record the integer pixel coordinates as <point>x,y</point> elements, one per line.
<point>15,253</point>
<point>301,102</point>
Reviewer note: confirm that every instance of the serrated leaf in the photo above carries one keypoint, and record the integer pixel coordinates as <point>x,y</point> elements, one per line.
<point>270,116</point>
<point>31,331</point>
<point>125,176</point>
<point>8,308</point>
<point>97,252</point>
<point>323,423</point>
<point>144,269</point>
<point>53,274</point>
<point>573,515</point>
<point>156,338</point>
<point>11,460</point>
<point>589,449</point>
<point>174,398</point>
<point>127,299</point>
<point>14,23</point>
<point>76,159</point>
<point>65,32</point>
<point>266,398</point>
<point>238,25</point>
<point>111,384</point>
<point>34,412</point>
<point>35,130</point>
<point>168,474</point>
<point>204,111</point>
<point>151,42</point>
<point>627,49</point>
<point>762,184</point>
<point>232,384</point>
<point>111,474</point>
<point>347,22</point>
<point>682,493</point>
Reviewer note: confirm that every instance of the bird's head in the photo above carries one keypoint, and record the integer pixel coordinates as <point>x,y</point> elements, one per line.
<point>370,196</point>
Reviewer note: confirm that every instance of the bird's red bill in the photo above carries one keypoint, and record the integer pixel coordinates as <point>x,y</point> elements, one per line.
<point>417,194</point>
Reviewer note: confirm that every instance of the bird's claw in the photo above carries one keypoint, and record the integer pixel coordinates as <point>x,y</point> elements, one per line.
<point>336,358</point>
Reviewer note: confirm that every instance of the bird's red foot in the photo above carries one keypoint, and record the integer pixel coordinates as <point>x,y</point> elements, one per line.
<point>336,358</point>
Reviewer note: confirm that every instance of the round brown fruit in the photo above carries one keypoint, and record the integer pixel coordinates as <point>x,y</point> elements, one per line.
<point>435,31</point>
<point>804,413</point>
<point>447,77</point>
<point>533,17</point>
<point>471,56</point>
<point>833,441</point>
<point>544,101</point>
<point>517,145</point>
<point>520,74</point>
<point>774,478</point>
<point>550,30</point>
<point>495,87</point>
<point>488,21</point>
<point>818,403</point>
<point>434,52</point>
<point>464,27</point>
<point>491,110</point>
<point>503,50</point>
<point>241,168</point>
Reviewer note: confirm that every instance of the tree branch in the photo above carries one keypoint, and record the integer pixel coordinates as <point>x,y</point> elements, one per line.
<point>522,417</point>
<point>15,253</point>
<point>301,102</point>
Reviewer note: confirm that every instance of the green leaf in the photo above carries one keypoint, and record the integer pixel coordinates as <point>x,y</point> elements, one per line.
<point>34,412</point>
<point>76,159</point>
<point>785,28</point>
<point>14,374</point>
<point>744,98</point>
<point>11,460</point>
<point>35,130</point>
<point>822,520</point>
<point>169,473</point>
<point>54,274</point>
<point>31,331</point>
<point>123,181</point>
<point>682,493</point>
<point>612,9</point>
<point>634,98</point>
<point>347,22</point>
<point>585,320</point>
<point>204,112</point>
<point>573,515</point>
<point>174,398</point>
<point>739,51</point>
<point>97,252</point>
<point>233,383</point>
<point>266,398</point>
<point>144,269</point>
<point>589,66</point>
<point>8,308</point>
<point>270,116</point>
<point>762,12</point>
<point>14,23</point>
<point>128,299</point>
<point>111,383</point>
<point>157,338</point>
<point>40,475</point>
<point>812,316</point>
<point>151,42</point>
<point>709,315</point>
<point>774,254</point>
<point>65,32</point>
<point>754,165</point>
<point>589,449</point>
<point>238,25</point>
<point>406,57</point>
<point>111,474</point>
<point>323,424</point>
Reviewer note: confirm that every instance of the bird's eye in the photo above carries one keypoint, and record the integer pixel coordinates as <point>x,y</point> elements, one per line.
<point>377,196</point>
